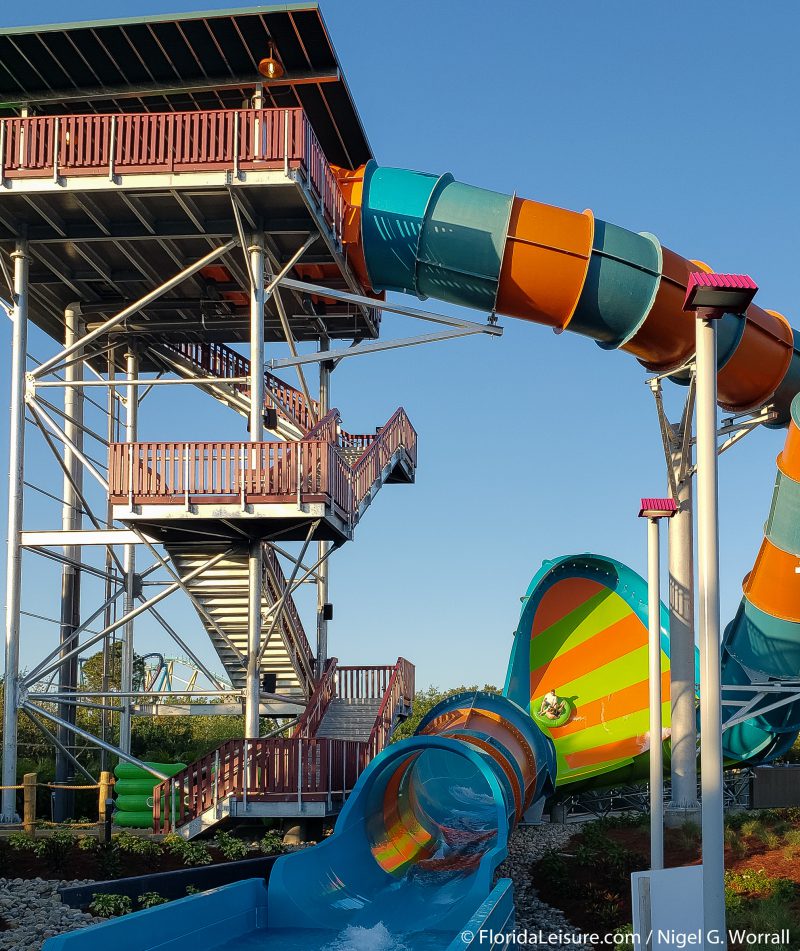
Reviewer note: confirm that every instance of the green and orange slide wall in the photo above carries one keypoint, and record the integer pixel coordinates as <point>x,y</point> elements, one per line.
<point>583,627</point>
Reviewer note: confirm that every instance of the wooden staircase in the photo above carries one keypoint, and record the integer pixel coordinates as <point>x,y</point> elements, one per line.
<point>222,593</point>
<point>310,773</point>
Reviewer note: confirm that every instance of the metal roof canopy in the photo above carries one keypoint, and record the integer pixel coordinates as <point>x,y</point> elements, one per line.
<point>174,62</point>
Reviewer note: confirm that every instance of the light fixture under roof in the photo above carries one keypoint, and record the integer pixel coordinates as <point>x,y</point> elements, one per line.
<point>270,67</point>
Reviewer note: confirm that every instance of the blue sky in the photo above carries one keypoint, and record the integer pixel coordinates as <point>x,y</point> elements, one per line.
<point>532,445</point>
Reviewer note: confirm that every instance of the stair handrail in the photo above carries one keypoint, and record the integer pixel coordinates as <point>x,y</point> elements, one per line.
<point>397,433</point>
<point>324,692</point>
<point>290,615</point>
<point>326,430</point>
<point>223,361</point>
<point>400,688</point>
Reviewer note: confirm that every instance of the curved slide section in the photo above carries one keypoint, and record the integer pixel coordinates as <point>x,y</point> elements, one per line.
<point>416,847</point>
<point>583,634</point>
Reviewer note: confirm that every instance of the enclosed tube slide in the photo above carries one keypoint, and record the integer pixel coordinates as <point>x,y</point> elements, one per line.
<point>417,844</point>
<point>432,236</point>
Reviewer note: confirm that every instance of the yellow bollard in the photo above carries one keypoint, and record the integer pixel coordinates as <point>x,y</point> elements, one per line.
<point>29,782</point>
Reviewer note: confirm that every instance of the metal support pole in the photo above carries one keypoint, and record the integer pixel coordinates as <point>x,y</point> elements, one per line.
<point>323,577</point>
<point>255,560</point>
<point>683,759</point>
<point>253,684</point>
<point>256,251</point>
<point>654,655</point>
<point>710,660</point>
<point>71,520</point>
<point>19,337</point>
<point>129,558</point>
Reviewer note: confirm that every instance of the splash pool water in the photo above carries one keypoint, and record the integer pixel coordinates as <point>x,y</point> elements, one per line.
<point>352,938</point>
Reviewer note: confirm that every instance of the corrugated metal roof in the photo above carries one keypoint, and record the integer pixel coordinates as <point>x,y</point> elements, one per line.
<point>202,60</point>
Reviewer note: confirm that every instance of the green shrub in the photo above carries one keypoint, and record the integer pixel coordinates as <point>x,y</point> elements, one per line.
<point>109,863</point>
<point>110,906</point>
<point>553,867</point>
<point>57,848</point>
<point>22,842</point>
<point>136,844</point>
<point>151,899</point>
<point>272,843</point>
<point>88,843</point>
<point>190,853</point>
<point>231,847</point>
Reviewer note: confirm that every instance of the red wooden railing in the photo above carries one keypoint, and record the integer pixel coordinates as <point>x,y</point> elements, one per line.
<point>264,770</point>
<point>379,451</point>
<point>311,470</point>
<point>397,697</point>
<point>220,361</point>
<point>299,769</point>
<point>319,701</point>
<point>233,140</point>
<point>186,473</point>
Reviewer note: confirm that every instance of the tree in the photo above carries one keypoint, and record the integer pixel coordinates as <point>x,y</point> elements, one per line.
<point>425,701</point>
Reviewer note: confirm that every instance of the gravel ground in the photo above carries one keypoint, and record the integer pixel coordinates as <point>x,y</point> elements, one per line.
<point>33,910</point>
<point>529,843</point>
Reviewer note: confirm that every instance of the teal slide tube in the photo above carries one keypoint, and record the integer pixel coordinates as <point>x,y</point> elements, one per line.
<point>620,287</point>
<point>429,235</point>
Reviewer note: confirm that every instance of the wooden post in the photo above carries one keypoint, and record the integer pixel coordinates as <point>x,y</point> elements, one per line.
<point>29,783</point>
<point>104,794</point>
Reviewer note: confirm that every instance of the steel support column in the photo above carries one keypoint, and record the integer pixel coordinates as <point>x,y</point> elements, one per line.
<point>71,520</point>
<point>255,560</point>
<point>656,725</point>
<point>710,650</point>
<point>19,339</point>
<point>129,557</point>
<point>323,577</point>
<point>683,804</point>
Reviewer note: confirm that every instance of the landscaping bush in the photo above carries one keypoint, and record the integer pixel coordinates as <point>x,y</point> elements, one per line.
<point>231,847</point>
<point>110,906</point>
<point>151,899</point>
<point>272,843</point>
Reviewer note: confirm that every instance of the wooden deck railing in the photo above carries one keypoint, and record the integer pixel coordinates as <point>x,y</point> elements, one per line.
<point>310,470</point>
<point>187,473</point>
<point>234,140</point>
<point>264,770</point>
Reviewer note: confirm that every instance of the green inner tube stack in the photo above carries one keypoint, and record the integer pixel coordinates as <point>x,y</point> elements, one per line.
<point>133,807</point>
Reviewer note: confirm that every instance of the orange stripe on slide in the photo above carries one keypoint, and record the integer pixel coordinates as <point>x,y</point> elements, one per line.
<point>620,749</point>
<point>560,600</point>
<point>611,643</point>
<point>759,363</point>
<point>772,585</point>
<point>545,262</point>
<point>666,338</point>
<point>621,703</point>
<point>789,459</point>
